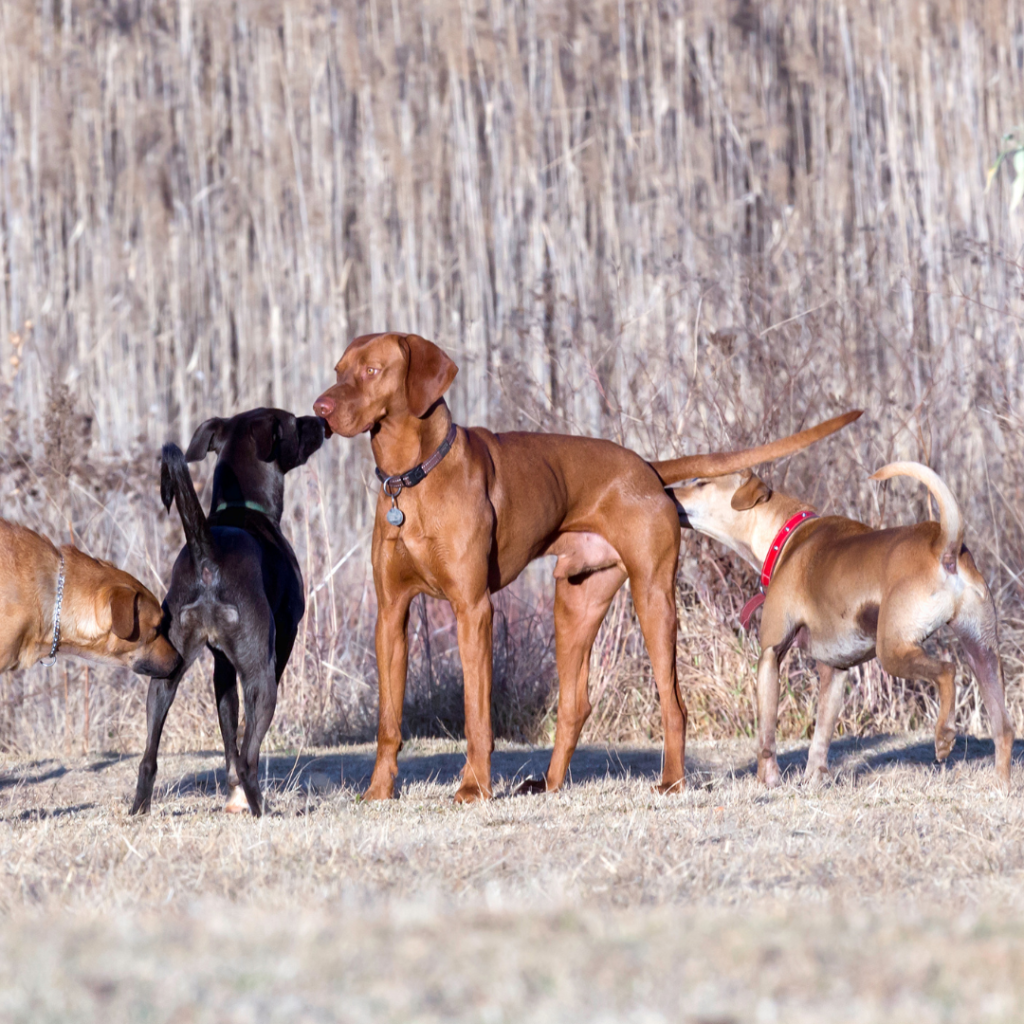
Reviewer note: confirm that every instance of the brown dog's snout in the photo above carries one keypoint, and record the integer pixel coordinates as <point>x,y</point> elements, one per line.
<point>324,406</point>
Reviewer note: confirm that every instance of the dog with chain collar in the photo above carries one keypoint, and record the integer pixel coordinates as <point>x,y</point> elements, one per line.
<point>57,601</point>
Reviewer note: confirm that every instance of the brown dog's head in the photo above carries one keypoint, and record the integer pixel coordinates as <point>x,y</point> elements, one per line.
<point>117,619</point>
<point>383,375</point>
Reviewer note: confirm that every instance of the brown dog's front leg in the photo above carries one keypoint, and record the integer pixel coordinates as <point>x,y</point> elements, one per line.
<point>767,717</point>
<point>474,630</point>
<point>392,664</point>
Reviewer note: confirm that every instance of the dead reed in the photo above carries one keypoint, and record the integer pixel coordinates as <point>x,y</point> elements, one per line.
<point>678,224</point>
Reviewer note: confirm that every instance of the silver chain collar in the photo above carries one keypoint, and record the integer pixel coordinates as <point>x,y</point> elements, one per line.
<point>52,658</point>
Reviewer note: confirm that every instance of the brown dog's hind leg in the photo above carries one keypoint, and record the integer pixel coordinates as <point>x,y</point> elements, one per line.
<point>580,607</point>
<point>767,717</point>
<point>656,609</point>
<point>392,643</point>
<point>830,702</point>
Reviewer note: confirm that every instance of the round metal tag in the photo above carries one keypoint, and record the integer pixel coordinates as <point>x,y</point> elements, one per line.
<point>395,516</point>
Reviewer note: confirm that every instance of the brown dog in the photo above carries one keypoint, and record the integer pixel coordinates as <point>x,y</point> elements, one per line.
<point>477,507</point>
<point>105,615</point>
<point>845,593</point>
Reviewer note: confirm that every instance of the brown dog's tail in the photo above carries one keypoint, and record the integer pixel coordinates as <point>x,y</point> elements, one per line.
<point>176,485</point>
<point>951,523</point>
<point>674,471</point>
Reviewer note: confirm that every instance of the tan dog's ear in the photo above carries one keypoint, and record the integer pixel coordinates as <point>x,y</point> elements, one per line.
<point>753,491</point>
<point>429,376</point>
<point>122,612</point>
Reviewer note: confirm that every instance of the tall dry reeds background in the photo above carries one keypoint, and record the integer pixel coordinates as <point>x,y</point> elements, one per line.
<point>677,224</point>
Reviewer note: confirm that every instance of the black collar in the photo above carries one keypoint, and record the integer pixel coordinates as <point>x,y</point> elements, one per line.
<point>393,485</point>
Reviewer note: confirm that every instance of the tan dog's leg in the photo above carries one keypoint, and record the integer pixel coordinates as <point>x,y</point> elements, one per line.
<point>392,663</point>
<point>830,702</point>
<point>909,660</point>
<point>767,717</point>
<point>580,609</point>
<point>975,627</point>
<point>474,623</point>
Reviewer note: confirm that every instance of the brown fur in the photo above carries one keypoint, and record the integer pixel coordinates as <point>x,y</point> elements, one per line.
<point>495,503</point>
<point>847,593</point>
<point>107,615</point>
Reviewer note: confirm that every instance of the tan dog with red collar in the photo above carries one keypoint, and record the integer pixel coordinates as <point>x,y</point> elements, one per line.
<point>847,593</point>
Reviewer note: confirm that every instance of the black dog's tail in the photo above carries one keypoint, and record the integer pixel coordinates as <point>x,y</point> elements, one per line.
<point>176,483</point>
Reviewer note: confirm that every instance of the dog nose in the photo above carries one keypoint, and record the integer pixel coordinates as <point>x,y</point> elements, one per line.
<point>323,406</point>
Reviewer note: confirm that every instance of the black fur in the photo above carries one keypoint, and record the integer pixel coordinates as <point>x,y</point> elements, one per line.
<point>236,586</point>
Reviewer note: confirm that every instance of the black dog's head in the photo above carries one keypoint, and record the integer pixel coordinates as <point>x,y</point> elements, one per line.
<point>254,451</point>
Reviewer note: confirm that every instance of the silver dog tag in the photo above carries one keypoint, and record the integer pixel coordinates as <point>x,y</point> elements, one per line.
<point>395,516</point>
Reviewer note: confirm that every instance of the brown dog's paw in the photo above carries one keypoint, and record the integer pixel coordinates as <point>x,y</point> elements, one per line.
<point>379,791</point>
<point>470,793</point>
<point>665,787</point>
<point>531,786</point>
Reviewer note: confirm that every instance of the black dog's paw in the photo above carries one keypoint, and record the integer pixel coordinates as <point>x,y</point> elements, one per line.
<point>531,787</point>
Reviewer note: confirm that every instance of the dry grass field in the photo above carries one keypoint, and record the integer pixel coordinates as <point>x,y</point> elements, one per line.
<point>678,224</point>
<point>893,895</point>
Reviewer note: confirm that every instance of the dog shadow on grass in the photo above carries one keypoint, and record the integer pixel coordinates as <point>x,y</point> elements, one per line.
<point>323,772</point>
<point>854,757</point>
<point>850,758</point>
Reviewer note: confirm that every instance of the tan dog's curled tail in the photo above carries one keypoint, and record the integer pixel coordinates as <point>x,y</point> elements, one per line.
<point>951,523</point>
<point>674,471</point>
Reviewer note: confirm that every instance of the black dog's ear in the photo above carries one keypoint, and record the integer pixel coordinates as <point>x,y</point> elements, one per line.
<point>267,430</point>
<point>298,437</point>
<point>209,437</point>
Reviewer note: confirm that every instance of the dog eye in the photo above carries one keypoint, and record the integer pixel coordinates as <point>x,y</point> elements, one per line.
<point>371,371</point>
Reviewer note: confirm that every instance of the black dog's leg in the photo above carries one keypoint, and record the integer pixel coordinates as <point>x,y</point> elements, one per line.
<point>284,640</point>
<point>158,703</point>
<point>225,688</point>
<point>260,691</point>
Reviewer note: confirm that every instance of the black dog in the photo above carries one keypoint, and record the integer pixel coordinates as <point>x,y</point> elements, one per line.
<point>236,586</point>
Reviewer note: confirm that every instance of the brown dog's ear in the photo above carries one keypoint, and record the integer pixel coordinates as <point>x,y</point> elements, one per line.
<point>209,436</point>
<point>753,491</point>
<point>123,601</point>
<point>429,376</point>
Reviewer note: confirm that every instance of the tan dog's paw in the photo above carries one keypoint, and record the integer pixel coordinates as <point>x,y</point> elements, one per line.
<point>531,786</point>
<point>945,740</point>
<point>817,776</point>
<point>768,773</point>
<point>237,803</point>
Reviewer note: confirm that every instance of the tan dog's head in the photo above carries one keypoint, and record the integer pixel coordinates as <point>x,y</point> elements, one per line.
<point>720,508</point>
<point>383,375</point>
<point>117,619</point>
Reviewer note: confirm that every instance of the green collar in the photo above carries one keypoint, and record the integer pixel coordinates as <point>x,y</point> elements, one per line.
<point>254,505</point>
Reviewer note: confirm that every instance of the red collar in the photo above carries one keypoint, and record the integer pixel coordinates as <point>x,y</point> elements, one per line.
<point>774,553</point>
